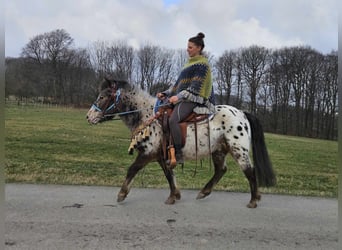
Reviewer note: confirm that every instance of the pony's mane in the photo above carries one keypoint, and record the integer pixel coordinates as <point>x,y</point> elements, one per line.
<point>142,96</point>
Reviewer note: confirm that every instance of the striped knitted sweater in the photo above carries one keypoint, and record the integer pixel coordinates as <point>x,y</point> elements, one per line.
<point>195,84</point>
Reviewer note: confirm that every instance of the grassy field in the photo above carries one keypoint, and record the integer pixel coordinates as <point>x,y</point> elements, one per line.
<point>57,146</point>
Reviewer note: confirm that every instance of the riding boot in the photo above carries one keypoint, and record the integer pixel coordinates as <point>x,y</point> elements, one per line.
<point>179,154</point>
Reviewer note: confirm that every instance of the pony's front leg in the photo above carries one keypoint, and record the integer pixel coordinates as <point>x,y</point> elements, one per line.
<point>174,191</point>
<point>140,162</point>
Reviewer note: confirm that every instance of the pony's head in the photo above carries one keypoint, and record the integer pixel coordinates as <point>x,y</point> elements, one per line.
<point>108,101</point>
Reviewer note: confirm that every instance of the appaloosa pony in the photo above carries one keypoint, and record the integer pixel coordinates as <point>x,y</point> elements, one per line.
<point>229,130</point>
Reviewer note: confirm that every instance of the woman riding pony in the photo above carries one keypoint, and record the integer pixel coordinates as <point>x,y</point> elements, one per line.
<point>192,92</point>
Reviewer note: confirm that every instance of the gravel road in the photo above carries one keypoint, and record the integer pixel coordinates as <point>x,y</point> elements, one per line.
<point>88,217</point>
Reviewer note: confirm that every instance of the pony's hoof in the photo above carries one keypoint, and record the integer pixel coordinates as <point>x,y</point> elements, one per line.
<point>170,201</point>
<point>201,196</point>
<point>252,204</point>
<point>121,198</point>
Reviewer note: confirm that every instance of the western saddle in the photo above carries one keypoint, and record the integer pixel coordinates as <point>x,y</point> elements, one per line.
<point>162,115</point>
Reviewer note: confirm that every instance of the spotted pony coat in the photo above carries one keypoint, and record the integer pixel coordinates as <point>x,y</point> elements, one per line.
<point>231,130</point>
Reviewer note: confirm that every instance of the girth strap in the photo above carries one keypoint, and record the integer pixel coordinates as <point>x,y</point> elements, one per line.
<point>196,143</point>
<point>166,133</point>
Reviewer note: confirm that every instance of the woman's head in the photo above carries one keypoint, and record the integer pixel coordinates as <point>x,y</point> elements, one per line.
<point>196,45</point>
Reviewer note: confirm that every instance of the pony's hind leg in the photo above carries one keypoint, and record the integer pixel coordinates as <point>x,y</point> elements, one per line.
<point>219,160</point>
<point>244,162</point>
<point>255,195</point>
<point>139,163</point>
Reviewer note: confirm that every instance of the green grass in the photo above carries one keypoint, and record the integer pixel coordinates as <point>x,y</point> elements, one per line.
<point>57,146</point>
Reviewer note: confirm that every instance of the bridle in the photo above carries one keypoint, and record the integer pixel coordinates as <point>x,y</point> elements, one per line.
<point>112,103</point>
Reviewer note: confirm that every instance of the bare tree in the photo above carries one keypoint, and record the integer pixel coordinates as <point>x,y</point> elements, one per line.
<point>328,99</point>
<point>298,62</point>
<point>35,49</point>
<point>181,57</point>
<point>285,86</point>
<point>81,78</point>
<point>147,65</point>
<point>57,44</point>
<point>315,63</point>
<point>224,70</point>
<point>165,72</point>
<point>154,66</point>
<point>254,67</point>
<point>171,64</point>
<point>53,50</point>
<point>100,59</point>
<point>123,59</point>
<point>275,79</point>
<point>238,82</point>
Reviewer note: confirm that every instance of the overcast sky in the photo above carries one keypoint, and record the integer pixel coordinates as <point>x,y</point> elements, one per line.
<point>227,24</point>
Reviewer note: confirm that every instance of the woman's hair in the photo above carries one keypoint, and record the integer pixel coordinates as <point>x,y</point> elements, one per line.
<point>198,40</point>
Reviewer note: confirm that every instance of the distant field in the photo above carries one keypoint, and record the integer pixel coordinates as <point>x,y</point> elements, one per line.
<point>56,145</point>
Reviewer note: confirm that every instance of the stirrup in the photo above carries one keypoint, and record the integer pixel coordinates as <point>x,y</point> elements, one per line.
<point>172,162</point>
<point>178,160</point>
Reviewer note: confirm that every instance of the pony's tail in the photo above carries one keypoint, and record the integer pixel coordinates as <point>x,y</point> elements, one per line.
<point>262,162</point>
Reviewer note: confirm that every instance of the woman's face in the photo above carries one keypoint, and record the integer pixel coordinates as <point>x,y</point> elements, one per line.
<point>193,49</point>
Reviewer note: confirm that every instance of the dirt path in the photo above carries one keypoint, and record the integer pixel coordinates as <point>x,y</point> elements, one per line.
<point>83,217</point>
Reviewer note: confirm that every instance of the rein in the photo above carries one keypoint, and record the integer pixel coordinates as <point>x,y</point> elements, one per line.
<point>116,94</point>
<point>112,106</point>
<point>126,112</point>
<point>135,110</point>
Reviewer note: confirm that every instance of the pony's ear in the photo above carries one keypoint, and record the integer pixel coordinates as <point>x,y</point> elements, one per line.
<point>106,83</point>
<point>107,79</point>
<point>113,83</point>
<point>121,83</point>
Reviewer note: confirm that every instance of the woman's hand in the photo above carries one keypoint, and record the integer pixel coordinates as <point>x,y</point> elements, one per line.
<point>173,99</point>
<point>161,96</point>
